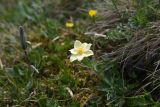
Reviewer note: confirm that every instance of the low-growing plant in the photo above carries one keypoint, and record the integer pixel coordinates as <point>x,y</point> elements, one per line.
<point>139,19</point>
<point>121,32</point>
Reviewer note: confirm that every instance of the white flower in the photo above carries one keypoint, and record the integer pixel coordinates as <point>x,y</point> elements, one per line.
<point>80,51</point>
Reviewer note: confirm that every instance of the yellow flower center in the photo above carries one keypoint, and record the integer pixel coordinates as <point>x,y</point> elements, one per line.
<point>92,13</point>
<point>80,51</point>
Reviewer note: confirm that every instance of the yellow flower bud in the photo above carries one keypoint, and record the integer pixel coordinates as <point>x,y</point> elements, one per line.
<point>69,24</point>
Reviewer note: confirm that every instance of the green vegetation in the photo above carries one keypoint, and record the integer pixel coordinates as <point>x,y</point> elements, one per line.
<point>35,66</point>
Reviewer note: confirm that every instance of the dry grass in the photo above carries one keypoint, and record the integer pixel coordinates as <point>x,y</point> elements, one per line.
<point>141,56</point>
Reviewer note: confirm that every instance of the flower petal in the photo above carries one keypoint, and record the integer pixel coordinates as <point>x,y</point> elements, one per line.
<point>73,58</point>
<point>88,53</point>
<point>77,44</point>
<point>86,46</point>
<point>80,57</point>
<point>73,51</point>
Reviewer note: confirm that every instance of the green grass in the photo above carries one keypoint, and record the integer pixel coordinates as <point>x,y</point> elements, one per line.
<point>44,77</point>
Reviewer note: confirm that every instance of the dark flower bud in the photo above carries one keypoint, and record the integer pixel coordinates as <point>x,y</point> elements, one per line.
<point>22,38</point>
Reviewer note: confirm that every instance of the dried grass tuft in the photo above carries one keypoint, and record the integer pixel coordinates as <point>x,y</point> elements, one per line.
<point>141,56</point>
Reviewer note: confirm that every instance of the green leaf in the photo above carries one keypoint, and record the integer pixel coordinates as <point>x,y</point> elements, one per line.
<point>42,101</point>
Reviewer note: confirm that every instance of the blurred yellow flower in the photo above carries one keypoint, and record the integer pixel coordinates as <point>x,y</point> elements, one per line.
<point>80,51</point>
<point>69,24</point>
<point>92,13</point>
